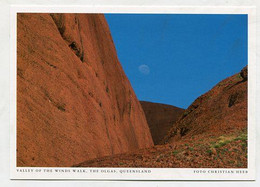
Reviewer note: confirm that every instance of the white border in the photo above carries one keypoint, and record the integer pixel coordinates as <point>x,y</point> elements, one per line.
<point>156,173</point>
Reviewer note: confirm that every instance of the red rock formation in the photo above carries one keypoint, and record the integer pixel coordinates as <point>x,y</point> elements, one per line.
<point>74,101</point>
<point>212,133</point>
<point>160,118</point>
<point>221,110</point>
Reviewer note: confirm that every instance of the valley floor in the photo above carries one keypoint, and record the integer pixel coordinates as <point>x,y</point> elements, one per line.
<point>202,151</point>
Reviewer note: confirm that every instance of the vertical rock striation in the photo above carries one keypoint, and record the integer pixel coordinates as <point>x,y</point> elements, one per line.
<point>74,101</point>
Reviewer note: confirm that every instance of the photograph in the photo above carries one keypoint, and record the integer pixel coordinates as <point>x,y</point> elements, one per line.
<point>131,90</point>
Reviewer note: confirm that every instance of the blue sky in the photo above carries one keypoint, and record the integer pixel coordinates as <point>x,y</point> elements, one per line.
<point>175,58</point>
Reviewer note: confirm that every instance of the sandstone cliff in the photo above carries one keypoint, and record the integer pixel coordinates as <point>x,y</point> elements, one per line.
<point>74,101</point>
<point>160,118</point>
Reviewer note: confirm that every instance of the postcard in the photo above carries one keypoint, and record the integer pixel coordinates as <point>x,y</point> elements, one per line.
<point>133,93</point>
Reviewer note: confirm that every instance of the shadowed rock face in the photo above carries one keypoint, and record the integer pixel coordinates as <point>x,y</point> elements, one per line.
<point>74,101</point>
<point>160,118</point>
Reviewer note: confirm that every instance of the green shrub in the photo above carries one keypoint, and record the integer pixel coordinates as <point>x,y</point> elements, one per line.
<point>175,152</point>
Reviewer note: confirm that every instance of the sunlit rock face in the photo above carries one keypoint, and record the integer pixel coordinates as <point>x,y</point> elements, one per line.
<point>74,101</point>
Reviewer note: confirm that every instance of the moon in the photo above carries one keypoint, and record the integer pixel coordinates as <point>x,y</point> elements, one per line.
<point>144,69</point>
